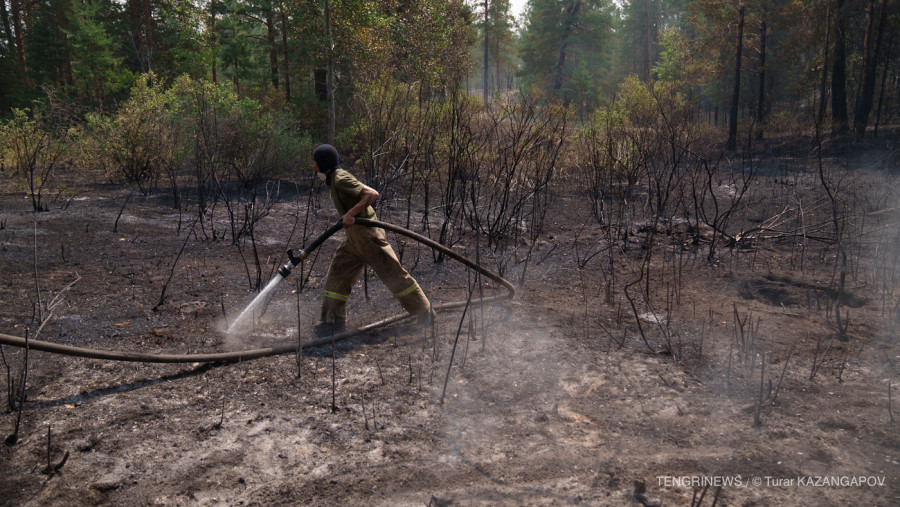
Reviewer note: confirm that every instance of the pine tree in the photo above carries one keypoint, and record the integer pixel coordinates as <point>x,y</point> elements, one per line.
<point>558,39</point>
<point>498,57</point>
<point>97,71</point>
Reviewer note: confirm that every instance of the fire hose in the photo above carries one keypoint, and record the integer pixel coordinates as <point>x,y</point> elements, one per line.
<point>284,271</point>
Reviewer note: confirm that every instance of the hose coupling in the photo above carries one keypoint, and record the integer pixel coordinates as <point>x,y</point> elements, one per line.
<point>295,259</point>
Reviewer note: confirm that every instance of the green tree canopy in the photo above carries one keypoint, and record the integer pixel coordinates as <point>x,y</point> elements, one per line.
<point>565,48</point>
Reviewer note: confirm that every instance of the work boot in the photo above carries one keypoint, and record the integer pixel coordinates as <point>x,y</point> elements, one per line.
<point>329,329</point>
<point>426,319</point>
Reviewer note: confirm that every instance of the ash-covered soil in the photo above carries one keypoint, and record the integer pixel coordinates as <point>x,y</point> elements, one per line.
<point>553,398</point>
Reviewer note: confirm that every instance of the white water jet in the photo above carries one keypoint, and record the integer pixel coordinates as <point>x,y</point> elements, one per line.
<point>245,319</point>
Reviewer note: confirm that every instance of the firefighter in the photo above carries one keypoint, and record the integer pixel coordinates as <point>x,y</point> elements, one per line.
<point>362,246</point>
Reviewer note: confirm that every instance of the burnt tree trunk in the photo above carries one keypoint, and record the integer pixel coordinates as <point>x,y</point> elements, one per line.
<point>884,75</point>
<point>736,90</point>
<point>839,119</point>
<point>866,95</point>
<point>823,87</point>
<point>761,101</point>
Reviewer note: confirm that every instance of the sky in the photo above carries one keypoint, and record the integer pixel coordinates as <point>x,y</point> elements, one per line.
<point>517,7</point>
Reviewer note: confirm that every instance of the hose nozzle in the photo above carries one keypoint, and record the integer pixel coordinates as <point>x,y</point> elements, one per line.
<point>295,259</point>
<point>303,253</point>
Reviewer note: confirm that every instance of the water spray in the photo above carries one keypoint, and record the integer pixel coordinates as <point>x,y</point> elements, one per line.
<point>294,258</point>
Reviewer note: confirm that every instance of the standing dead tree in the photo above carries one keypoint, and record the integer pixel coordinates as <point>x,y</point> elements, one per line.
<point>404,139</point>
<point>465,148</point>
<point>663,134</point>
<point>839,220</point>
<point>717,196</point>
<point>510,179</point>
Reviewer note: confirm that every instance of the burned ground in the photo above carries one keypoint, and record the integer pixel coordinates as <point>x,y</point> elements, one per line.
<point>553,398</point>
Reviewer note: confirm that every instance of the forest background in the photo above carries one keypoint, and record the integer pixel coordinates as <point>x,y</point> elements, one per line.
<point>125,85</point>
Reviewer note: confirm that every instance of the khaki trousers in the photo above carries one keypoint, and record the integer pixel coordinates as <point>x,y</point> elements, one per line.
<point>368,245</point>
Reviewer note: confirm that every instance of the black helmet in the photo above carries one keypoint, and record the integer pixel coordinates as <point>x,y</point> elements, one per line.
<point>326,158</point>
